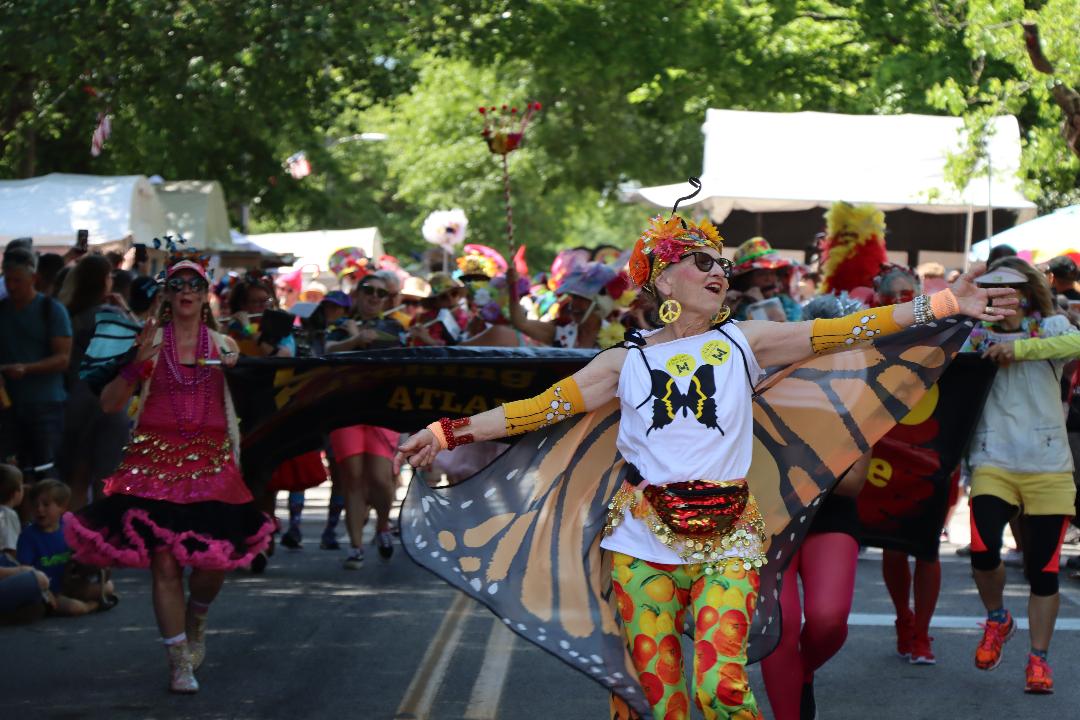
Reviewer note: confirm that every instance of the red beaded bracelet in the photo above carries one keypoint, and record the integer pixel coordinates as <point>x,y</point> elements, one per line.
<point>448,426</point>
<point>133,373</point>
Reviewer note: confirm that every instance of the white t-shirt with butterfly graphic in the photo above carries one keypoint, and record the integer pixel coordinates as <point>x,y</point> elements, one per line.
<point>686,415</point>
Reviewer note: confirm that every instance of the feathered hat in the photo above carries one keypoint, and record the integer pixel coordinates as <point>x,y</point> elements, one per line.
<point>854,247</point>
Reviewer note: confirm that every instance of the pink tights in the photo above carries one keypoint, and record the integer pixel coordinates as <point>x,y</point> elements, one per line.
<point>927,586</point>
<point>826,564</point>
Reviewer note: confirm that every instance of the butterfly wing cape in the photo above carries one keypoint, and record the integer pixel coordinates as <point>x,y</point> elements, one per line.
<point>523,535</point>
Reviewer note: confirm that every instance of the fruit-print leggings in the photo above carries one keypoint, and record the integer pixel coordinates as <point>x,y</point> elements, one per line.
<point>653,600</point>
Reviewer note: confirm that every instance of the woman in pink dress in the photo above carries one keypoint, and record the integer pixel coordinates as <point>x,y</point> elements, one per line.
<point>177,500</point>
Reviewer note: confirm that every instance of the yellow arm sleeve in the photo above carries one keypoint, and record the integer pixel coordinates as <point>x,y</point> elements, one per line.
<point>559,402</point>
<point>826,334</point>
<point>1062,347</point>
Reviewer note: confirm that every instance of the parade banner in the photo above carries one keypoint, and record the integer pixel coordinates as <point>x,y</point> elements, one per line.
<point>906,496</point>
<point>288,406</point>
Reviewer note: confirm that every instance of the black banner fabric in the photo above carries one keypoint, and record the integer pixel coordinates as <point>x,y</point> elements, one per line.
<point>287,406</point>
<point>906,496</point>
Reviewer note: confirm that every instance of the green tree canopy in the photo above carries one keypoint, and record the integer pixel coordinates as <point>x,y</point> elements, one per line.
<point>227,89</point>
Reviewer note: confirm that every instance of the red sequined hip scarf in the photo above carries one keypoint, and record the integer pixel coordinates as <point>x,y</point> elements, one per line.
<point>714,523</point>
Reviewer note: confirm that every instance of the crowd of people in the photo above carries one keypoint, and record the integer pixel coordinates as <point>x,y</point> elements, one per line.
<point>95,474</point>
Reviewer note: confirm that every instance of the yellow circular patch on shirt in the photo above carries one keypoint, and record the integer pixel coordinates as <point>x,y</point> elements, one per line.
<point>681,365</point>
<point>716,352</point>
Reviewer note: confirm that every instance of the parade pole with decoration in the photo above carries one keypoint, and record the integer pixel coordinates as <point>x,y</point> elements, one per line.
<point>504,131</point>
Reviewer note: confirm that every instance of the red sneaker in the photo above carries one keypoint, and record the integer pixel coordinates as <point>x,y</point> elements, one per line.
<point>905,633</point>
<point>922,652</point>
<point>1040,679</point>
<point>995,635</point>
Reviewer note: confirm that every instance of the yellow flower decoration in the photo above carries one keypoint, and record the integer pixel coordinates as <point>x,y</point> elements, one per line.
<point>611,335</point>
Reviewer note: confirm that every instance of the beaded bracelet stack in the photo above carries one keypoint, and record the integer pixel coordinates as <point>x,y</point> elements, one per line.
<point>444,428</point>
<point>928,308</point>
<point>133,373</point>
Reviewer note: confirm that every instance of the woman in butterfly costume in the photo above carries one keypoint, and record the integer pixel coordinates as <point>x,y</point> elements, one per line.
<point>565,538</point>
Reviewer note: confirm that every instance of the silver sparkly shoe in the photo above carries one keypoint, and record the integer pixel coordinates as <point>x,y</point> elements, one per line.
<point>196,637</point>
<point>181,674</point>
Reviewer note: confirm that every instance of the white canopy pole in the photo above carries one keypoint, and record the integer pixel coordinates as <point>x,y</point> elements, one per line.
<point>967,236</point>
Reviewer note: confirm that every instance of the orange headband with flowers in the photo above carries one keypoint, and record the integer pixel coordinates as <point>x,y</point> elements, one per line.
<point>665,242</point>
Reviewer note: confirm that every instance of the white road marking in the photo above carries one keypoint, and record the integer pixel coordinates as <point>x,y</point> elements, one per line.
<point>420,695</point>
<point>488,689</point>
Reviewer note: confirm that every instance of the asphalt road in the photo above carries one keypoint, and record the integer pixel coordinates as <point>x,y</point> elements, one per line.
<point>309,639</point>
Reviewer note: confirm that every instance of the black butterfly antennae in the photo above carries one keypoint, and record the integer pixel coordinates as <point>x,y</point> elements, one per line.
<point>696,183</point>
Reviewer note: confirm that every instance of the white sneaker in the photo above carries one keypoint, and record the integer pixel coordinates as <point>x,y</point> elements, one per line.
<point>355,561</point>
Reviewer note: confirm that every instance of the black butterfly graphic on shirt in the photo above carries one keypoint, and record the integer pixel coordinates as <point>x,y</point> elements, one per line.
<point>697,402</point>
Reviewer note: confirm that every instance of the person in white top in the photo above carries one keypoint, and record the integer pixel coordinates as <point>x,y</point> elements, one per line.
<point>1021,464</point>
<point>684,531</point>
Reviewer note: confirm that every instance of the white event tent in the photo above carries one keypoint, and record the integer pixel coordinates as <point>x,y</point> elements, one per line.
<point>1038,240</point>
<point>52,208</point>
<point>315,247</point>
<point>779,162</point>
<point>195,209</point>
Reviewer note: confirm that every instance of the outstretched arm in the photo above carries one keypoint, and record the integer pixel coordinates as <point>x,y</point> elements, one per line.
<point>786,343</point>
<point>587,389</point>
<point>1062,347</point>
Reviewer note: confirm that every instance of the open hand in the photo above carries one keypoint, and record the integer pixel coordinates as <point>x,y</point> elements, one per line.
<point>145,340</point>
<point>420,451</point>
<point>988,304</point>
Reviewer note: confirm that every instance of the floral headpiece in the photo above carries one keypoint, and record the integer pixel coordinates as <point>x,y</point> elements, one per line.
<point>480,260</point>
<point>665,242</point>
<point>183,258</point>
<point>347,261</point>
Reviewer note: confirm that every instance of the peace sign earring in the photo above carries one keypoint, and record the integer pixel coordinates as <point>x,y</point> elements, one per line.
<point>670,310</point>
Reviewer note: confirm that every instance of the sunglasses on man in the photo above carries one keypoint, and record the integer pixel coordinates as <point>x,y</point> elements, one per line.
<point>177,284</point>
<point>377,292</point>
<point>704,262</point>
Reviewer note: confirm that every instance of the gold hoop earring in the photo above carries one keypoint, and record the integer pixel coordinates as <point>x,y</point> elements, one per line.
<point>205,314</point>
<point>723,314</point>
<point>670,310</point>
<point>166,313</point>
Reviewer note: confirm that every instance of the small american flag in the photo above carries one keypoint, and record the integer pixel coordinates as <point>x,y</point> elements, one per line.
<point>101,134</point>
<point>298,165</point>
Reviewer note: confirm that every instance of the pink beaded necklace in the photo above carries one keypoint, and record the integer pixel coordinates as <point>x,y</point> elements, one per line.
<point>190,387</point>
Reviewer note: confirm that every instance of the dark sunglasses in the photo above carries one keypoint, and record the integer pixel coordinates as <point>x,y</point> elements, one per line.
<point>410,303</point>
<point>177,284</point>
<point>377,292</point>
<point>704,262</point>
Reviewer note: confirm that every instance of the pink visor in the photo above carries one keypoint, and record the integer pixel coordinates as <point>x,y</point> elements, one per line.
<point>187,265</point>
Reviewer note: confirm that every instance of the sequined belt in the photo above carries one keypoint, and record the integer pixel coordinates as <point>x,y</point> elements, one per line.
<point>165,459</point>
<point>715,523</point>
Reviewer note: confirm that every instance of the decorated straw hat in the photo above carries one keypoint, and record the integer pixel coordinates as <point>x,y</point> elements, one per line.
<point>587,279</point>
<point>415,287</point>
<point>757,254</point>
<point>441,282</point>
